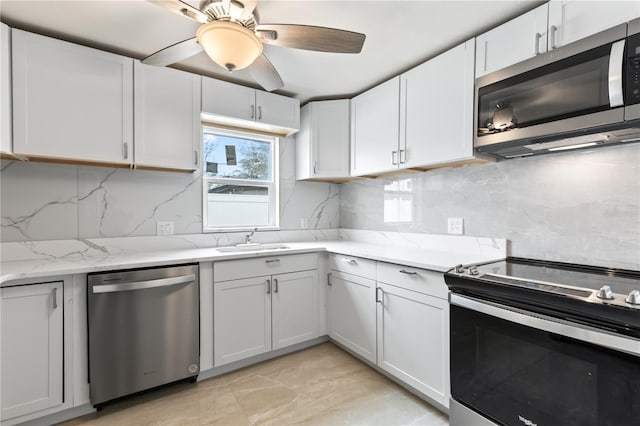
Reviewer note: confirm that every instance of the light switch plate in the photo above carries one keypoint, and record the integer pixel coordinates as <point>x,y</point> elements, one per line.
<point>455,225</point>
<point>164,228</point>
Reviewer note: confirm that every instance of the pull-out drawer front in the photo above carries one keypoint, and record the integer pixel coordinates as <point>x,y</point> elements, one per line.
<point>415,279</point>
<point>262,266</point>
<point>353,265</point>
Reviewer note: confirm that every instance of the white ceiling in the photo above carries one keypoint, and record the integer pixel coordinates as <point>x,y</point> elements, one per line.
<point>400,34</point>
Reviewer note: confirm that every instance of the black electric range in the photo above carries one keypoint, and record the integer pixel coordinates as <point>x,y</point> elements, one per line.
<point>601,297</point>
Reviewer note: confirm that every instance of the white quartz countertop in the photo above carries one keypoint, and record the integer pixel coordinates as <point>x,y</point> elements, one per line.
<point>50,264</point>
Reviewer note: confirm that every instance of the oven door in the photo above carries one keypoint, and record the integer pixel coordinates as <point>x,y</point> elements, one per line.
<point>515,368</point>
<point>568,89</point>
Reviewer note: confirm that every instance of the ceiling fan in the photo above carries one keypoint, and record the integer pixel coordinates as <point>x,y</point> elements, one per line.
<point>233,38</point>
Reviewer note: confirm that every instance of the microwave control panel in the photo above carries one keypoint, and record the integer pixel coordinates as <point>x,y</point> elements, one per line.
<point>632,78</point>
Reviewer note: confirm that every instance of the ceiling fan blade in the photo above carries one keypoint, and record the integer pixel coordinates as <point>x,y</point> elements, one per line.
<point>249,7</point>
<point>264,73</point>
<point>174,53</point>
<point>307,37</point>
<point>183,9</point>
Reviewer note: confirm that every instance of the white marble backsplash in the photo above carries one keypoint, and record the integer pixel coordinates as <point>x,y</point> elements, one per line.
<point>41,201</point>
<point>581,207</point>
<point>106,247</point>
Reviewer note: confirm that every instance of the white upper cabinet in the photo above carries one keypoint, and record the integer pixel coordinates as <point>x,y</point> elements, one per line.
<point>521,38</point>
<point>227,99</point>
<point>571,20</point>
<point>554,24</point>
<point>375,117</point>
<point>232,104</point>
<point>322,145</point>
<point>5,90</point>
<point>436,109</point>
<point>167,118</point>
<point>71,102</point>
<point>277,110</point>
<point>31,350</point>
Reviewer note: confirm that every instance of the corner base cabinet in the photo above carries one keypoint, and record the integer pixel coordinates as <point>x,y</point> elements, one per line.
<point>275,308</point>
<point>31,328</point>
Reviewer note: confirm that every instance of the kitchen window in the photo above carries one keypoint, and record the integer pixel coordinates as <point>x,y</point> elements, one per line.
<point>240,180</point>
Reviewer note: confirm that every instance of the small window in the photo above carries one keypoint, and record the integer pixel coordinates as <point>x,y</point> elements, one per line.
<point>240,180</point>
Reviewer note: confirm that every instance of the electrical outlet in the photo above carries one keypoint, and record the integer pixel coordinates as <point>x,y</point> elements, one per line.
<point>304,223</point>
<point>164,228</point>
<point>455,225</point>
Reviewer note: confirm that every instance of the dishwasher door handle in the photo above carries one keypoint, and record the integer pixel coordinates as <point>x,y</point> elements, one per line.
<point>142,285</point>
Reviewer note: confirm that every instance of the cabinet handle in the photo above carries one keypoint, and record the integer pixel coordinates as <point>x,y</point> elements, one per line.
<point>394,159</point>
<point>315,167</point>
<point>272,260</point>
<point>402,271</point>
<point>329,279</point>
<point>275,282</point>
<point>195,152</point>
<point>259,112</point>
<point>268,286</point>
<point>351,261</point>
<point>380,300</point>
<point>125,150</point>
<point>552,34</point>
<point>537,41</point>
<point>403,156</point>
<point>253,111</point>
<point>55,298</point>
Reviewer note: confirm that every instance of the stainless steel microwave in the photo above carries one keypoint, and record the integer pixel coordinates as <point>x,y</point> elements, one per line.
<point>581,95</point>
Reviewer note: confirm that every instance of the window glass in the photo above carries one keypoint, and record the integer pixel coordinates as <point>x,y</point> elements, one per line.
<point>239,180</point>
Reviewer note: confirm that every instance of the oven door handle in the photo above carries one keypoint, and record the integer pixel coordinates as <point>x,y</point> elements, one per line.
<point>616,63</point>
<point>552,325</point>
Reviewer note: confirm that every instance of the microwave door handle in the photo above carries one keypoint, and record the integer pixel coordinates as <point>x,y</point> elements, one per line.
<point>616,62</point>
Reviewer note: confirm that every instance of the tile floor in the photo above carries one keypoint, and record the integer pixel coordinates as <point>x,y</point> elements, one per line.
<point>322,385</point>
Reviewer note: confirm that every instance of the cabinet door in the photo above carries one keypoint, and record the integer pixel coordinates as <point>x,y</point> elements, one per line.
<point>571,20</point>
<point>5,89</point>
<point>352,313</point>
<point>228,100</point>
<point>437,109</point>
<point>322,144</point>
<point>413,340</point>
<point>241,319</point>
<point>31,348</point>
<point>294,307</point>
<point>330,139</point>
<point>277,110</point>
<point>167,123</point>
<point>375,117</point>
<point>71,101</point>
<point>521,38</point>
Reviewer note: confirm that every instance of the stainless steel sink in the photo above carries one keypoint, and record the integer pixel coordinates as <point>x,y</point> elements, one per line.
<point>252,247</point>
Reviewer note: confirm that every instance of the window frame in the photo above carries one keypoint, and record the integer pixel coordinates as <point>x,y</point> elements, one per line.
<point>273,185</point>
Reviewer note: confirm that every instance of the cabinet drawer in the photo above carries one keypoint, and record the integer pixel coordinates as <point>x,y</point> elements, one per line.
<point>420,280</point>
<point>353,265</point>
<point>262,266</point>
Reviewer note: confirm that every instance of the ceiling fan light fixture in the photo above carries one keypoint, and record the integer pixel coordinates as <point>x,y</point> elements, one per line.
<point>229,44</point>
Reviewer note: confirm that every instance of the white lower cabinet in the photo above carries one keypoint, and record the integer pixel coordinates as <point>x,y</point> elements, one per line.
<point>255,315</point>
<point>413,339</point>
<point>242,319</point>
<point>352,313</point>
<point>294,302</point>
<point>31,351</point>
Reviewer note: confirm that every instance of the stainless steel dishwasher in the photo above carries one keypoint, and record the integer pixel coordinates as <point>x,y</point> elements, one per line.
<point>143,329</point>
